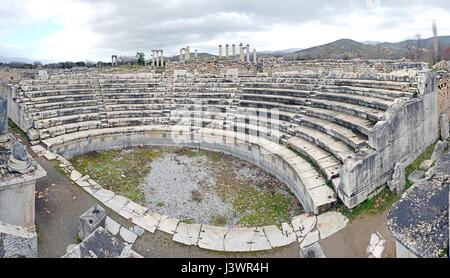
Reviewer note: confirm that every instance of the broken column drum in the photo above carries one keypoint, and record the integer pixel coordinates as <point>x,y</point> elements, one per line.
<point>19,161</point>
<point>3,119</point>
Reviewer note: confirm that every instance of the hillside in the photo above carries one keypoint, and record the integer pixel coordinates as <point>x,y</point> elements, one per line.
<point>349,49</point>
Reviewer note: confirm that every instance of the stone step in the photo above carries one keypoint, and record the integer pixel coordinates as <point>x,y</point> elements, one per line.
<point>355,140</point>
<point>337,148</point>
<point>55,121</point>
<point>326,162</point>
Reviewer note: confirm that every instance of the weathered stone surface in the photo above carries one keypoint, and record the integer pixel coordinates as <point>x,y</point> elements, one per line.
<point>239,240</point>
<point>19,151</point>
<point>148,221</point>
<point>168,224</point>
<point>116,203</point>
<point>138,230</point>
<point>398,182</point>
<point>330,222</point>
<point>3,116</point>
<point>112,226</point>
<point>75,175</point>
<point>426,164</point>
<point>16,242</point>
<point>376,245</point>
<point>439,150</point>
<point>212,238</point>
<point>312,251</point>
<point>444,125</point>
<point>103,195</point>
<point>187,233</point>
<point>310,238</point>
<point>288,231</point>
<point>93,218</point>
<point>416,176</point>
<point>303,224</point>
<point>49,155</point>
<point>259,241</point>
<point>101,244</point>
<point>127,235</point>
<point>275,236</point>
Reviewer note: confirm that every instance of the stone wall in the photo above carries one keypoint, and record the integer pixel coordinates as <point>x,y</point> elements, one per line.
<point>410,127</point>
<point>443,87</point>
<point>17,242</point>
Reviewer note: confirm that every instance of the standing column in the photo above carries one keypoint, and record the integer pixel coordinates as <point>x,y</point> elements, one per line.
<point>248,53</point>
<point>188,53</point>
<point>241,52</point>
<point>254,56</point>
<point>220,50</point>
<point>233,49</point>
<point>195,53</point>
<point>227,50</point>
<point>162,59</point>
<point>181,55</point>
<point>157,57</point>
<point>153,57</point>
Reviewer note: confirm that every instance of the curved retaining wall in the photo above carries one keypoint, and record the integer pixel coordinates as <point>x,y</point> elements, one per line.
<point>270,156</point>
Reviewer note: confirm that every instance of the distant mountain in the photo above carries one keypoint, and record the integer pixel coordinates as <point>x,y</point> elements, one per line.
<point>15,60</point>
<point>276,52</point>
<point>350,49</point>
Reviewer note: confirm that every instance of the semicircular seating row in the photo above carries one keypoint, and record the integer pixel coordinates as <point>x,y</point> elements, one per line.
<point>311,123</point>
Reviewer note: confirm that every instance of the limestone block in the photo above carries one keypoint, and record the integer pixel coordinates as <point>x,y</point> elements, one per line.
<point>167,224</point>
<point>439,150</point>
<point>187,233</point>
<point>275,236</point>
<point>330,222</point>
<point>127,235</point>
<point>398,182</point>
<point>147,221</point>
<point>310,238</point>
<point>112,226</point>
<point>16,242</point>
<point>259,241</point>
<point>75,175</point>
<point>93,218</point>
<point>103,195</point>
<point>212,238</point>
<point>426,164</point>
<point>444,126</point>
<point>239,239</point>
<point>303,224</point>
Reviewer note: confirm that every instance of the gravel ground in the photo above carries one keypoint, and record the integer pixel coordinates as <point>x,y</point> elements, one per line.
<point>200,187</point>
<point>181,187</point>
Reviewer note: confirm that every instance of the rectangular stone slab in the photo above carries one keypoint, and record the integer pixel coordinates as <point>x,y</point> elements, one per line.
<point>212,238</point>
<point>187,233</point>
<point>149,222</point>
<point>239,240</point>
<point>104,195</point>
<point>330,222</point>
<point>276,237</point>
<point>168,225</point>
<point>259,241</point>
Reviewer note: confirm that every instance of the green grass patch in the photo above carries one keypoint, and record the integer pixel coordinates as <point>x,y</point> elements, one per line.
<point>121,171</point>
<point>219,220</point>
<point>213,156</point>
<point>186,152</point>
<point>260,208</point>
<point>375,205</point>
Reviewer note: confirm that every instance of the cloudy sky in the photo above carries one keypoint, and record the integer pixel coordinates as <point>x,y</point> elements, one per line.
<point>80,30</point>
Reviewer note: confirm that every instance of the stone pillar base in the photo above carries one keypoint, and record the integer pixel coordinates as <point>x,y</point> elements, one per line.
<point>19,166</point>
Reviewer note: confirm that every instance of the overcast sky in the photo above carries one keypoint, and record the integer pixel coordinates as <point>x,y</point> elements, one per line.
<point>80,30</point>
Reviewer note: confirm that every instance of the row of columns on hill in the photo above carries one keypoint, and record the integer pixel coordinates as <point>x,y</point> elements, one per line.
<point>244,52</point>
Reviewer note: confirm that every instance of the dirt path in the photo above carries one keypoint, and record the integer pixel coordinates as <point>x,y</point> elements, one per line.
<point>353,240</point>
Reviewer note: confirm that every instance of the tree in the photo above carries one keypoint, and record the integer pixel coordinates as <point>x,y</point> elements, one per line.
<point>140,57</point>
